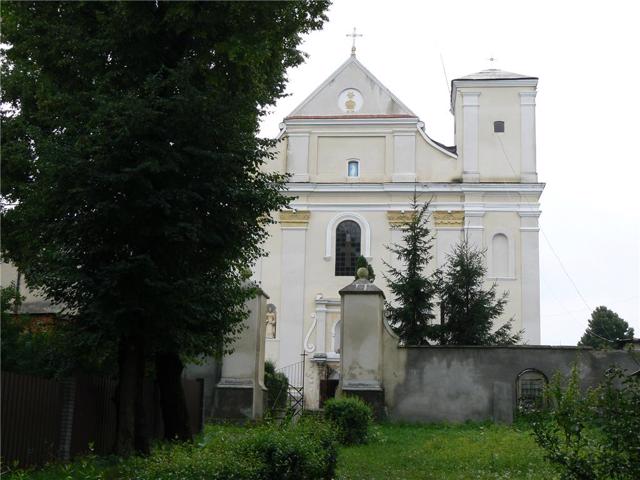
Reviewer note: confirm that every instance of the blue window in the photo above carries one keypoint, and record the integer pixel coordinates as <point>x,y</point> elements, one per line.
<point>353,169</point>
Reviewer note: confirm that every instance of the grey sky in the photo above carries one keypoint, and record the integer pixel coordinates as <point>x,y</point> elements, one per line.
<point>588,120</point>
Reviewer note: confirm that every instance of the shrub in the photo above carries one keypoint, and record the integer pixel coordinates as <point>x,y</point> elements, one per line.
<point>277,385</point>
<point>352,418</point>
<point>306,450</point>
<point>592,435</point>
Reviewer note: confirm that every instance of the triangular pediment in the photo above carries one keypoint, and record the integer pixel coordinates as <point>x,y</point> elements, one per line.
<point>351,90</point>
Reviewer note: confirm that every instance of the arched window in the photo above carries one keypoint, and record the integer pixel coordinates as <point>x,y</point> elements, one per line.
<point>530,389</point>
<point>353,168</point>
<point>498,126</point>
<point>336,337</point>
<point>500,255</point>
<point>347,248</point>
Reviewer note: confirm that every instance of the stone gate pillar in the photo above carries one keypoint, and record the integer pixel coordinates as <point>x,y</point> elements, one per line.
<point>361,336</point>
<point>240,393</point>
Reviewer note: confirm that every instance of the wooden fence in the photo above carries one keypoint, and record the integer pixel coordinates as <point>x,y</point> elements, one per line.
<point>45,419</point>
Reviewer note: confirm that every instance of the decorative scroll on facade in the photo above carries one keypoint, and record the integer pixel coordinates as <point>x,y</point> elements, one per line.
<point>294,219</point>
<point>449,219</point>
<point>399,218</point>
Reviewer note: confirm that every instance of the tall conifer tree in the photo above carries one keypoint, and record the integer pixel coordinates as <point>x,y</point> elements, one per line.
<point>410,313</point>
<point>468,309</point>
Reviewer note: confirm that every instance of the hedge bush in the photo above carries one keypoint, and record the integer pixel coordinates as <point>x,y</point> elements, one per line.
<point>592,434</point>
<point>351,417</point>
<point>305,451</point>
<point>277,385</point>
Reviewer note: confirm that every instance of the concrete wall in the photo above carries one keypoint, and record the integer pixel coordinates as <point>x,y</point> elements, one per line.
<point>455,384</point>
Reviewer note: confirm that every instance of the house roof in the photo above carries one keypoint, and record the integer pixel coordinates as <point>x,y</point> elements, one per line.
<point>378,101</point>
<point>494,74</point>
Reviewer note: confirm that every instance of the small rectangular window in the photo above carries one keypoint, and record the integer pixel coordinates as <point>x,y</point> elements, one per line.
<point>498,126</point>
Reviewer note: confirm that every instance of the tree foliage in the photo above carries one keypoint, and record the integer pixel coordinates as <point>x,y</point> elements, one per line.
<point>605,330</point>
<point>129,145</point>
<point>38,346</point>
<point>411,312</point>
<point>592,435</point>
<point>361,262</point>
<point>468,309</point>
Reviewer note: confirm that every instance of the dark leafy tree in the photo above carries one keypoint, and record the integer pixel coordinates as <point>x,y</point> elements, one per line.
<point>468,309</point>
<point>411,312</point>
<point>606,330</point>
<point>361,262</point>
<point>130,152</point>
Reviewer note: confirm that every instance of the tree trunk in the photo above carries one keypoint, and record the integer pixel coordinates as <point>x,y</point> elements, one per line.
<point>126,397</point>
<point>174,408</point>
<point>142,433</point>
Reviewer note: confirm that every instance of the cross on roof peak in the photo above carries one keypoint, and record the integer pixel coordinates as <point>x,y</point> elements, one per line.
<point>353,36</point>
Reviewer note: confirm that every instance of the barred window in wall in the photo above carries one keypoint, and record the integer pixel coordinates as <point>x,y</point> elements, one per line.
<point>530,389</point>
<point>347,248</point>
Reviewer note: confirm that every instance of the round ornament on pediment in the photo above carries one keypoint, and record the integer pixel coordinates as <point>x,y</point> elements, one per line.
<point>350,100</point>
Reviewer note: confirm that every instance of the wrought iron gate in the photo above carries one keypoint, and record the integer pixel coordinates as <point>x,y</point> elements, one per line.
<point>295,389</point>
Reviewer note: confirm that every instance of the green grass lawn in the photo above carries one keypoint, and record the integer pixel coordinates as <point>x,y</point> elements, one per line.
<point>469,451</point>
<point>395,452</point>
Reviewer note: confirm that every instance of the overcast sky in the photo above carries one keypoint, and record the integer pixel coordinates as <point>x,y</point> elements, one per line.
<point>588,121</point>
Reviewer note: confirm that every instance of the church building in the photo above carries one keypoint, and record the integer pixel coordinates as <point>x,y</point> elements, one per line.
<point>355,154</point>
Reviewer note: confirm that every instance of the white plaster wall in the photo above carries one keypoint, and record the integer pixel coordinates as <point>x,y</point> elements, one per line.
<point>333,153</point>
<point>499,154</point>
<point>376,100</point>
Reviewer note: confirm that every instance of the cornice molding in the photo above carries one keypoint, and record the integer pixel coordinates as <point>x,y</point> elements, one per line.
<point>435,187</point>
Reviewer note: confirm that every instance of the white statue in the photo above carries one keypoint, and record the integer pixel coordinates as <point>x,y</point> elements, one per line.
<point>270,320</point>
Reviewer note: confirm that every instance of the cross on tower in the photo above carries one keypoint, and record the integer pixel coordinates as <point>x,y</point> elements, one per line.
<point>353,35</point>
<point>492,60</point>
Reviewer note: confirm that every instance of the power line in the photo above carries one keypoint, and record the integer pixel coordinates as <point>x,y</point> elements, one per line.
<point>564,269</point>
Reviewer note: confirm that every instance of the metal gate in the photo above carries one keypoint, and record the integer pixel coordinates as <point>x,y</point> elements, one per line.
<point>295,389</point>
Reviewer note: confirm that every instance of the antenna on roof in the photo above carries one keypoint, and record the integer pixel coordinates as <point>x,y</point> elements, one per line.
<point>444,70</point>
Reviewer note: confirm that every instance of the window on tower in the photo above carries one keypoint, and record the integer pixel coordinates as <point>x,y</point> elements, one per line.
<point>353,168</point>
<point>498,126</point>
<point>347,248</point>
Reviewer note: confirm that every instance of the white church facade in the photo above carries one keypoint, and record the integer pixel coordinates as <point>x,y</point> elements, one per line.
<point>355,154</point>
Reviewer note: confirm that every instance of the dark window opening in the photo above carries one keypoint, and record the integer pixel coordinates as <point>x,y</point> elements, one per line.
<point>498,126</point>
<point>347,248</point>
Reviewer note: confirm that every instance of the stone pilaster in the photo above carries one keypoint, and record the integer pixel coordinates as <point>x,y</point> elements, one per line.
<point>293,257</point>
<point>530,258</point>
<point>528,137</point>
<point>298,156</point>
<point>470,119</point>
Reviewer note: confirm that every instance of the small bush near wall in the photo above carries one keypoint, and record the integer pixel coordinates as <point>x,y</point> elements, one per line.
<point>592,435</point>
<point>277,384</point>
<point>351,416</point>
